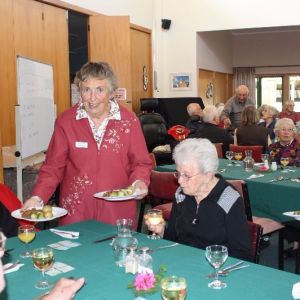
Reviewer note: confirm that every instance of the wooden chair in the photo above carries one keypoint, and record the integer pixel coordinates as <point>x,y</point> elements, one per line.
<point>255,235</point>
<point>291,232</point>
<point>256,151</point>
<point>162,188</point>
<point>269,226</point>
<point>219,149</point>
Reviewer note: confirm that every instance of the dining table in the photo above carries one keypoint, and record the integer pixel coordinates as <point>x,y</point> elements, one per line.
<point>271,193</point>
<point>104,280</point>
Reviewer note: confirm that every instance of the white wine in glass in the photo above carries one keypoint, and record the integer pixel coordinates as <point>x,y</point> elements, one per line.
<point>26,234</point>
<point>173,288</point>
<point>216,255</point>
<point>43,259</point>
<point>238,155</point>
<point>284,161</point>
<point>154,217</point>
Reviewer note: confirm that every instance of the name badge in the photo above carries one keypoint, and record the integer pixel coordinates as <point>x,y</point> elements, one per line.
<point>81,144</point>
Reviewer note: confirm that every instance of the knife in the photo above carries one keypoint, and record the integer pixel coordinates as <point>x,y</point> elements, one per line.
<point>104,239</point>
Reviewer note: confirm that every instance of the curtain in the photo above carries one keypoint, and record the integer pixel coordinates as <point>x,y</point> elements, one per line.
<point>245,76</point>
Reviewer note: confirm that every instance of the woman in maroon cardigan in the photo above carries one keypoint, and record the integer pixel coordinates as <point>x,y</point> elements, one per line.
<point>97,145</point>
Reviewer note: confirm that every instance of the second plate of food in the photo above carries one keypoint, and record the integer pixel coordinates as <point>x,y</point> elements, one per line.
<point>119,194</point>
<point>293,214</point>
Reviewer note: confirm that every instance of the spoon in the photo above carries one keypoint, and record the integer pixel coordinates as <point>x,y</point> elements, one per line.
<point>226,272</point>
<point>278,178</point>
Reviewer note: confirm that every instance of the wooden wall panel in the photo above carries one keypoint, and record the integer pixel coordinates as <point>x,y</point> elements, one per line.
<point>220,87</point>
<point>8,78</point>
<point>109,40</point>
<point>205,78</point>
<point>141,56</point>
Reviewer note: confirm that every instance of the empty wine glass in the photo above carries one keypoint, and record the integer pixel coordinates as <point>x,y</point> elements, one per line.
<point>26,234</point>
<point>265,157</point>
<point>173,287</point>
<point>284,162</point>
<point>43,259</point>
<point>154,217</point>
<point>216,255</point>
<point>229,156</point>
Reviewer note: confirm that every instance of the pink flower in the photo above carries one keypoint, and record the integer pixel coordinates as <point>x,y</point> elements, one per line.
<point>144,281</point>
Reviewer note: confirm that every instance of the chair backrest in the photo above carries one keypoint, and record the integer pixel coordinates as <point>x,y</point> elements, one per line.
<point>219,149</point>
<point>256,151</point>
<point>162,188</point>
<point>241,187</point>
<point>153,160</point>
<point>256,232</point>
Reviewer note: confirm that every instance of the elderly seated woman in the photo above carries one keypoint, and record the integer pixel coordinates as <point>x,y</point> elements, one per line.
<point>287,145</point>
<point>206,209</point>
<point>268,119</point>
<point>250,134</point>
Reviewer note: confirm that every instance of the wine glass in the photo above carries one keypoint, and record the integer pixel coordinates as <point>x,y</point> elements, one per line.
<point>265,157</point>
<point>173,287</point>
<point>43,259</point>
<point>26,234</point>
<point>2,242</point>
<point>154,217</point>
<point>229,156</point>
<point>216,255</point>
<point>284,162</point>
<point>238,156</point>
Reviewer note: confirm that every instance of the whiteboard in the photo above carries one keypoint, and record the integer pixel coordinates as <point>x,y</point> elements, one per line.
<point>35,120</point>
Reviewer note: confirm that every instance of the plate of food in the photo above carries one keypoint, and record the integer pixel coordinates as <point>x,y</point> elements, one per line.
<point>293,214</point>
<point>119,194</point>
<point>39,214</point>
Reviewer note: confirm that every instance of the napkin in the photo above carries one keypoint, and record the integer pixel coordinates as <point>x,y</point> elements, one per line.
<point>9,270</point>
<point>255,176</point>
<point>296,290</point>
<point>66,234</point>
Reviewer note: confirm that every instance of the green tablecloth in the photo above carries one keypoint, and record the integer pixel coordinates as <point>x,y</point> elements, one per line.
<point>268,199</point>
<point>107,281</point>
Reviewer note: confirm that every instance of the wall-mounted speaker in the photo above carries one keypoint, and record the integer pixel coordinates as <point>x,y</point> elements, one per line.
<point>165,24</point>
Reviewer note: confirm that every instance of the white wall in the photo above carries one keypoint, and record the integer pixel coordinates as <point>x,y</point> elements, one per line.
<point>176,50</point>
<point>267,49</point>
<point>214,51</point>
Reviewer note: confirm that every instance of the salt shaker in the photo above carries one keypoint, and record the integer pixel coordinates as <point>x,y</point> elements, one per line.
<point>144,260</point>
<point>274,166</point>
<point>131,261</point>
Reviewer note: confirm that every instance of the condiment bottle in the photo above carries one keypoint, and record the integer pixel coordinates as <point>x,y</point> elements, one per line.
<point>144,260</point>
<point>131,261</point>
<point>274,166</point>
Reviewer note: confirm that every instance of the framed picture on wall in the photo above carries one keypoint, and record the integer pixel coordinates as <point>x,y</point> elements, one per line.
<point>181,81</point>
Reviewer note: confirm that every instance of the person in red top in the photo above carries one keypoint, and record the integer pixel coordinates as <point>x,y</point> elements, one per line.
<point>96,146</point>
<point>288,112</point>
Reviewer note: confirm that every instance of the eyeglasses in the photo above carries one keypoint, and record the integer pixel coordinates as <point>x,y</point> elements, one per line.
<point>286,129</point>
<point>185,177</point>
<point>87,91</point>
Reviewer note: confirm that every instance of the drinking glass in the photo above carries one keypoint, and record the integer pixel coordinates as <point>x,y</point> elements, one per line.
<point>154,217</point>
<point>238,155</point>
<point>284,162</point>
<point>229,155</point>
<point>264,157</point>
<point>216,255</point>
<point>2,241</point>
<point>43,259</point>
<point>26,234</point>
<point>173,287</point>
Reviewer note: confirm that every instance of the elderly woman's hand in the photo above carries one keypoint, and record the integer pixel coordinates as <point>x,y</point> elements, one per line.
<point>34,201</point>
<point>140,186</point>
<point>158,228</point>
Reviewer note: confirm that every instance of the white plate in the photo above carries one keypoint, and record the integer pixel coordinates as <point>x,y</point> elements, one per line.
<point>57,213</point>
<point>292,215</point>
<point>121,198</point>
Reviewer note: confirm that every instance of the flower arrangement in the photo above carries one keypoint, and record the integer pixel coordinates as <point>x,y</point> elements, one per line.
<point>147,282</point>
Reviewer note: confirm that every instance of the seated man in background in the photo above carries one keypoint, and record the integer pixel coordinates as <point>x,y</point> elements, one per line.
<point>231,114</point>
<point>194,122</point>
<point>288,111</point>
<point>210,129</point>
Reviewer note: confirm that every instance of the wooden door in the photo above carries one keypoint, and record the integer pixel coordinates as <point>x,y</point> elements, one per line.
<point>220,87</point>
<point>141,65</point>
<point>206,80</point>
<point>109,40</point>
